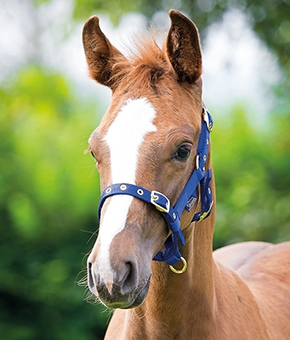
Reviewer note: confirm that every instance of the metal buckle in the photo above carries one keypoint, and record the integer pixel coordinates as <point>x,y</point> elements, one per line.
<point>206,213</point>
<point>206,119</point>
<point>155,196</point>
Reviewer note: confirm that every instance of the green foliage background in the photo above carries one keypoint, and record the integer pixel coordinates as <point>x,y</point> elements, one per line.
<point>49,190</point>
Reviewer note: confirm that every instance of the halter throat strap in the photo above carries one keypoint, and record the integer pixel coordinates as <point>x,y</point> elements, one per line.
<point>172,215</point>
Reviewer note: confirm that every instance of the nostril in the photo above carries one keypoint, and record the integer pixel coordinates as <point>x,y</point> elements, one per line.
<point>129,278</point>
<point>130,275</point>
<point>115,282</point>
<point>90,276</point>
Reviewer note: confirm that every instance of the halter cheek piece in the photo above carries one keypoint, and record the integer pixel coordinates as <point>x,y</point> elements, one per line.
<point>171,254</point>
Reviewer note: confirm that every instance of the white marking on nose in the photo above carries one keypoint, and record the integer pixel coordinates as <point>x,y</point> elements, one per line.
<point>124,138</point>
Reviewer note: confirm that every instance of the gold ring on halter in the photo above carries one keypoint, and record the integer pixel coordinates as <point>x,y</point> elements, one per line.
<point>176,271</point>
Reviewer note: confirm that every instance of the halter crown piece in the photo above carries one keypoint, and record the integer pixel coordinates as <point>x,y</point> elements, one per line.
<point>171,254</point>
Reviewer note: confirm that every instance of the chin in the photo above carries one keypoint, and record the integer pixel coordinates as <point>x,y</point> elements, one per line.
<point>125,301</point>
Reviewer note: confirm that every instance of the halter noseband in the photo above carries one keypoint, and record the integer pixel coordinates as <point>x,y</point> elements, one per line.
<point>171,255</point>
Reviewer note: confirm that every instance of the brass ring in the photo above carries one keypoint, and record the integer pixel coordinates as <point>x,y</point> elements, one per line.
<point>176,271</point>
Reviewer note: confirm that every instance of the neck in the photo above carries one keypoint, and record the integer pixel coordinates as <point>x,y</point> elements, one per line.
<point>182,303</point>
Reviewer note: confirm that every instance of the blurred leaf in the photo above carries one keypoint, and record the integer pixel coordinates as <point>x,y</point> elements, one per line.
<point>269,19</point>
<point>252,178</point>
<point>49,193</point>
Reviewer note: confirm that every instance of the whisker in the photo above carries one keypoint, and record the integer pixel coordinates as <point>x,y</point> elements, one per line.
<point>93,233</point>
<point>87,231</point>
<point>83,281</point>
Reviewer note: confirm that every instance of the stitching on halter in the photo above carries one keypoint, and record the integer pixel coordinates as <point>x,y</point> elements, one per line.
<point>200,176</point>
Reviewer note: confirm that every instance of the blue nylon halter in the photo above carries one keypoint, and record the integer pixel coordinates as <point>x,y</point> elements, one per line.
<point>171,254</point>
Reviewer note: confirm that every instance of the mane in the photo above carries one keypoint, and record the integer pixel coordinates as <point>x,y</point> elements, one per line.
<point>145,66</point>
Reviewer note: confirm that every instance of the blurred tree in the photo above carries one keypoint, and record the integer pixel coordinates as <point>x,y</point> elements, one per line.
<point>270,19</point>
<point>252,176</point>
<point>48,195</point>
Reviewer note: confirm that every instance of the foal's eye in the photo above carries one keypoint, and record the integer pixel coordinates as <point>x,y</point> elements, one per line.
<point>182,153</point>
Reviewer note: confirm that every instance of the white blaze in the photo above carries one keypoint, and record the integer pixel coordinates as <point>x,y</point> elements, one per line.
<point>124,138</point>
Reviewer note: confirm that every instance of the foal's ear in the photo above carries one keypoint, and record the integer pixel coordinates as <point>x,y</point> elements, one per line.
<point>183,48</point>
<point>101,55</point>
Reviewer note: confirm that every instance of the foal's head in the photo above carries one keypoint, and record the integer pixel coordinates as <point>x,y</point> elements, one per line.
<point>147,137</point>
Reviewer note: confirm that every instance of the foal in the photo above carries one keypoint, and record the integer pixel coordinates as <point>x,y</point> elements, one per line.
<point>152,142</point>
